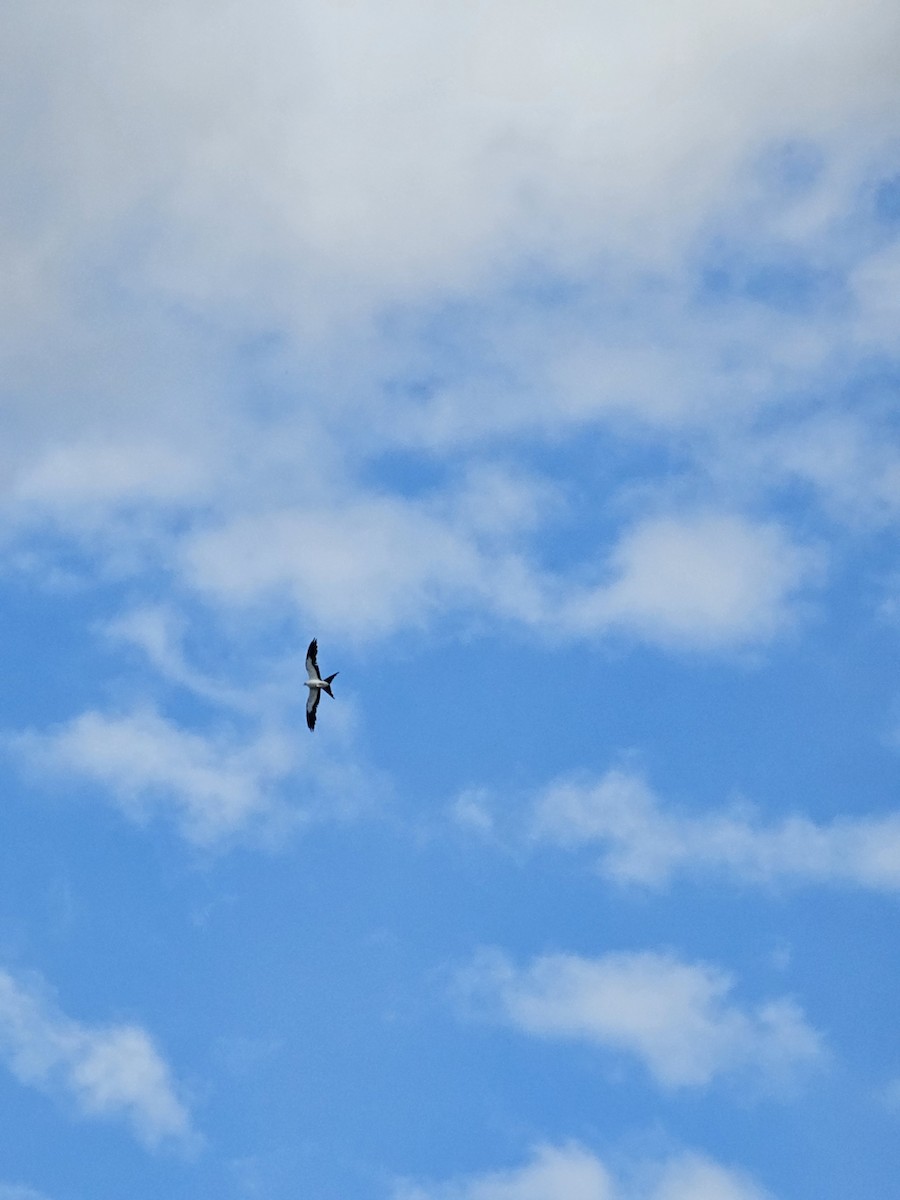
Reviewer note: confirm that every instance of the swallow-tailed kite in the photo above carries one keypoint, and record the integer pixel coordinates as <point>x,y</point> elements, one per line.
<point>316,684</point>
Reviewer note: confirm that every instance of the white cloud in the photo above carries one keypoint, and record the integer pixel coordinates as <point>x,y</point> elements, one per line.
<point>695,1178</point>
<point>678,1018</point>
<point>378,562</point>
<point>889,1095</point>
<point>158,632</point>
<point>471,811</point>
<point>875,282</point>
<point>254,776</point>
<point>332,198</point>
<point>368,165</point>
<point>385,156</point>
<point>374,564</point>
<point>101,473</point>
<point>642,841</point>
<point>705,581</point>
<point>640,358</point>
<point>554,1172</point>
<point>570,1172</point>
<point>108,1071</point>
<point>846,457</point>
<point>13,1191</point>
<point>215,786</point>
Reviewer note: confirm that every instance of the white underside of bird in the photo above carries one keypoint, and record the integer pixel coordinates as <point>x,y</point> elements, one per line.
<point>316,684</point>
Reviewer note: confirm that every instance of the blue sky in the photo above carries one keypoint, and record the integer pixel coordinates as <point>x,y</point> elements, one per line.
<point>542,361</point>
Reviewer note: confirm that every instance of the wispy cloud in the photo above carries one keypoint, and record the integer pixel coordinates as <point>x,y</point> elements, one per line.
<point>694,1177</point>
<point>889,1096</point>
<point>573,1172</point>
<point>214,785</point>
<point>678,1018</point>
<point>158,632</point>
<point>641,840</point>
<point>13,1191</point>
<point>110,1071</point>
<point>553,1171</point>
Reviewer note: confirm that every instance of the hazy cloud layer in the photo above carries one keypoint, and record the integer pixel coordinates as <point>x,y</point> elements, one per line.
<point>680,1019</point>
<point>642,840</point>
<point>113,1071</point>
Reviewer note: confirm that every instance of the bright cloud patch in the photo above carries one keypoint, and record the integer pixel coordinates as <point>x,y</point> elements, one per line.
<point>678,1018</point>
<point>571,1172</point>
<point>113,1071</point>
<point>708,581</point>
<point>642,841</point>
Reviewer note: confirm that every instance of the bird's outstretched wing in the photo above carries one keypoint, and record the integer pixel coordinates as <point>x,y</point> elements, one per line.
<point>312,665</point>
<point>312,703</point>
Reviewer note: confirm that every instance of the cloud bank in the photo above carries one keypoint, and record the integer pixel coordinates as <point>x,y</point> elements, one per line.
<point>433,238</point>
<point>374,159</point>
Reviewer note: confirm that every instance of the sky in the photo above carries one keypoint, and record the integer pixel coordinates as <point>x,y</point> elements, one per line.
<point>542,361</point>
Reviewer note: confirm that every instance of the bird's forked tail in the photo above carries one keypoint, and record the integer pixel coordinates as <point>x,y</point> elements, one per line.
<point>327,687</point>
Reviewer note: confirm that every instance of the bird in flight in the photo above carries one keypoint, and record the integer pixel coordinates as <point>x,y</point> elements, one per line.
<point>316,684</point>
